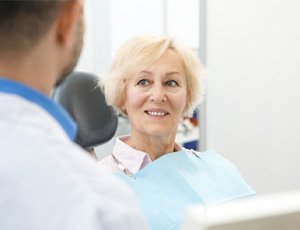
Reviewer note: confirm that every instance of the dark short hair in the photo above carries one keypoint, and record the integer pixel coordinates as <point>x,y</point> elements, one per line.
<point>24,22</point>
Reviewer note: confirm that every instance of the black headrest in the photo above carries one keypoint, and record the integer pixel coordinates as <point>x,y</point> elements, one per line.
<point>85,102</point>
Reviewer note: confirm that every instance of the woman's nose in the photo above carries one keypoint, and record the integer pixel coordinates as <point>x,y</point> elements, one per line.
<point>157,94</point>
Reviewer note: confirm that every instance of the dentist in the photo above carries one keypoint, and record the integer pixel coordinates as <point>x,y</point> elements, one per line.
<point>48,182</point>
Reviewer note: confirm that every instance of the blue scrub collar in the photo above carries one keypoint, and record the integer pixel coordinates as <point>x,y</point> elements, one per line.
<point>54,109</point>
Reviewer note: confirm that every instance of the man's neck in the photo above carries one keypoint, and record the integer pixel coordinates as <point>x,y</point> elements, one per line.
<point>31,70</point>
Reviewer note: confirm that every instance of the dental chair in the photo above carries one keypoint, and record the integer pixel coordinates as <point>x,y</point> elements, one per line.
<point>85,102</point>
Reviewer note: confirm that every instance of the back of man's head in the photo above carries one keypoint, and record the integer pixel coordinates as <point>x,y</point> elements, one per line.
<point>24,22</point>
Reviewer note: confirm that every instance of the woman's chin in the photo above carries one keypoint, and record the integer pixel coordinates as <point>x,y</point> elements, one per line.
<point>159,133</point>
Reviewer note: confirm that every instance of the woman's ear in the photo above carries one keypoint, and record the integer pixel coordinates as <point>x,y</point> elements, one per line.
<point>123,108</point>
<point>184,112</point>
<point>187,108</point>
<point>123,99</point>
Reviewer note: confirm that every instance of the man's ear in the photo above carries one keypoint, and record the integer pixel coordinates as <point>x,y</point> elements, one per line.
<point>69,15</point>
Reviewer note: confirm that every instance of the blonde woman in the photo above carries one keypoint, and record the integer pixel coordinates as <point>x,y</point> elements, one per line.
<point>155,83</point>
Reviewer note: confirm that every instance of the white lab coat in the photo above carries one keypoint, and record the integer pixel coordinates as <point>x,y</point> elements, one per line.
<point>48,182</point>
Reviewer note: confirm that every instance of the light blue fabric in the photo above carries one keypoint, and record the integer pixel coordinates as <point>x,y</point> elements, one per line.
<point>166,187</point>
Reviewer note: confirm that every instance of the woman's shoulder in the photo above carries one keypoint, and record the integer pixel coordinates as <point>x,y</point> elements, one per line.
<point>213,155</point>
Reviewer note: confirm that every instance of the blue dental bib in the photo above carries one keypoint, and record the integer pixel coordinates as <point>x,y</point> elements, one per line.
<point>175,181</point>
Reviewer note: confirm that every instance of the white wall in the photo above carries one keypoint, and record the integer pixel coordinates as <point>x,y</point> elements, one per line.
<point>253,105</point>
<point>96,53</point>
<point>131,18</point>
<point>182,21</point>
<point>109,23</point>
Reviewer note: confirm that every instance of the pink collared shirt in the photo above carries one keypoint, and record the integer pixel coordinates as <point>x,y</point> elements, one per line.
<point>132,159</point>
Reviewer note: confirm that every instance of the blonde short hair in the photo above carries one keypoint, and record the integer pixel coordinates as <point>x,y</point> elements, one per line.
<point>140,53</point>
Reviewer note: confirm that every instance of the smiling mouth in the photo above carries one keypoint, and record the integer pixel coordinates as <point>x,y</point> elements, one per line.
<point>153,113</point>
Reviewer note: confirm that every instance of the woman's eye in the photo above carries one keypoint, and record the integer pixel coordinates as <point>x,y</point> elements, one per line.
<point>143,82</point>
<point>172,83</point>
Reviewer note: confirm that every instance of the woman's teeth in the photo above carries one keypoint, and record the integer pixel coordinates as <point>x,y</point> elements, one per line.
<point>156,113</point>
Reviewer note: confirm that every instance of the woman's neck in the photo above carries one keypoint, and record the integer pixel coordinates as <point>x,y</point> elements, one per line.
<point>154,146</point>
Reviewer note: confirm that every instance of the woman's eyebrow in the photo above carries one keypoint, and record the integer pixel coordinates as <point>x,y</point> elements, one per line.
<point>173,73</point>
<point>146,72</point>
<point>166,74</point>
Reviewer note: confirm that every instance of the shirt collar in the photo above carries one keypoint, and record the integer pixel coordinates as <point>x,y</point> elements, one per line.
<point>177,148</point>
<point>132,159</point>
<point>55,110</point>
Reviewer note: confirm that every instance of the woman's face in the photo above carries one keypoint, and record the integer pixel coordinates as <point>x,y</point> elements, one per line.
<point>156,97</point>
